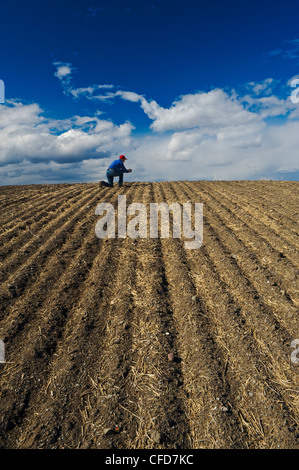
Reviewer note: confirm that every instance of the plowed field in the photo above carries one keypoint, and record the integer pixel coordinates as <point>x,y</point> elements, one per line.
<point>89,324</point>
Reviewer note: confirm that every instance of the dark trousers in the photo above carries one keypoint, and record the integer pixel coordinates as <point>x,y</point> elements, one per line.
<point>111,174</point>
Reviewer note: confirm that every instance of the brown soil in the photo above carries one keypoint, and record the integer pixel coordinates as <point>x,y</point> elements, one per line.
<point>141,343</point>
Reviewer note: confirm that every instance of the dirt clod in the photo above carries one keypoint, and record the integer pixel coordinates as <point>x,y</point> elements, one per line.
<point>170,357</point>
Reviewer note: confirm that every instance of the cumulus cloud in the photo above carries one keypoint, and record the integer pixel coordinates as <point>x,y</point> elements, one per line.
<point>26,134</point>
<point>209,110</point>
<point>270,153</point>
<point>220,135</point>
<point>204,135</point>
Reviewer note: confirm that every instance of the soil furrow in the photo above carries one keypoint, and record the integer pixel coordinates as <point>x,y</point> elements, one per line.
<point>203,358</point>
<point>32,211</point>
<point>260,202</point>
<point>29,193</point>
<point>56,413</point>
<point>143,343</point>
<point>263,375</point>
<point>273,194</point>
<point>156,377</point>
<point>257,275</point>
<point>22,270</point>
<point>271,340</point>
<point>55,267</point>
<point>234,327</point>
<point>51,314</point>
<point>74,359</point>
<point>108,421</point>
<point>283,233</point>
<point>31,223</point>
<point>249,259</point>
<point>277,265</point>
<point>13,200</point>
<point>258,226</point>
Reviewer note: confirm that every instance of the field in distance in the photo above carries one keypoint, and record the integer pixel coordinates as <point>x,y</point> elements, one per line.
<point>142,343</point>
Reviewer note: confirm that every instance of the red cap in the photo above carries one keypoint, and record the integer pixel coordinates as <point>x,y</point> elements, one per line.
<point>123,157</point>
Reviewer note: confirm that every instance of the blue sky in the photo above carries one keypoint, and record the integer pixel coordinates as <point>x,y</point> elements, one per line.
<point>186,90</point>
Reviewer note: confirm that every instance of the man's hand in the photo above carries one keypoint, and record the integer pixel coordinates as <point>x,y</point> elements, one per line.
<point>129,170</point>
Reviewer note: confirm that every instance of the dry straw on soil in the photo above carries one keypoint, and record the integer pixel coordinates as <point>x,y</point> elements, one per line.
<point>141,343</point>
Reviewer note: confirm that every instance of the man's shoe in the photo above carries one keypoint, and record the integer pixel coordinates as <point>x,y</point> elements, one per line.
<point>104,184</point>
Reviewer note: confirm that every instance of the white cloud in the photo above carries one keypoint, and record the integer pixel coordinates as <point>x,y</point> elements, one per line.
<point>267,106</point>
<point>204,135</point>
<point>264,87</point>
<point>270,153</point>
<point>26,134</point>
<point>88,92</point>
<point>216,135</point>
<point>203,110</point>
<point>64,72</point>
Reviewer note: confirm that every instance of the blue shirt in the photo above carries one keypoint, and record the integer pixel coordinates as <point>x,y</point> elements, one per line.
<point>118,166</point>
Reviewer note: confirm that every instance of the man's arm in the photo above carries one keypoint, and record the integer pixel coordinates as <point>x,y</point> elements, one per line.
<point>123,168</point>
